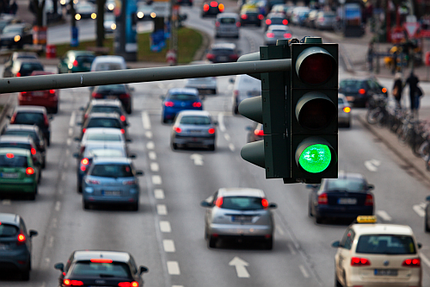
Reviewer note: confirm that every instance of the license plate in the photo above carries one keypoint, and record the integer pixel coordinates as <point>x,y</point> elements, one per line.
<point>350,99</point>
<point>386,272</point>
<point>347,201</point>
<point>222,58</point>
<point>38,93</point>
<point>111,97</point>
<point>112,192</point>
<point>87,65</point>
<point>242,218</point>
<point>9,175</point>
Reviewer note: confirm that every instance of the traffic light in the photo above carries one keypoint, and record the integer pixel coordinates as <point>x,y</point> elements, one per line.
<point>314,101</point>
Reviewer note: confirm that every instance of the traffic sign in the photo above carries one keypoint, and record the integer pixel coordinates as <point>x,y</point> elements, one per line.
<point>397,35</point>
<point>411,28</point>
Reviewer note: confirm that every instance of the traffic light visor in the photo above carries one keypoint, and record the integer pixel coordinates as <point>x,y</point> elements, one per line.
<point>315,66</point>
<point>315,155</point>
<point>315,111</point>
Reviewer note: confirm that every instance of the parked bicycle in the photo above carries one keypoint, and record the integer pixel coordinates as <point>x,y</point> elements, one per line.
<point>377,112</point>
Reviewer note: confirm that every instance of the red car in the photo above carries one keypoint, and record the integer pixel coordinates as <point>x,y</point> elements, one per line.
<point>47,98</point>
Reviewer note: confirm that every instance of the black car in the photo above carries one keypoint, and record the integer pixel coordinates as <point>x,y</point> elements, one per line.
<point>223,53</point>
<point>104,106</point>
<point>22,68</point>
<point>15,254</point>
<point>28,130</point>
<point>211,8</point>
<point>346,197</point>
<point>100,268</point>
<point>76,61</point>
<point>118,91</point>
<point>358,91</point>
<point>103,120</point>
<point>17,35</point>
<point>33,115</point>
<point>250,16</point>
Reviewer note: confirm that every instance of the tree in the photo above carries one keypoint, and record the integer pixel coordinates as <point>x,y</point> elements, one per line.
<point>100,22</point>
<point>37,7</point>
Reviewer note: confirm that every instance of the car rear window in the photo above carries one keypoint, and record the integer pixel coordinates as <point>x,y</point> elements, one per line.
<point>17,145</point>
<point>88,268</point>
<point>11,160</point>
<point>29,118</point>
<point>103,123</point>
<point>112,170</point>
<point>7,230</point>
<point>103,153</point>
<point>227,20</point>
<point>108,66</point>
<point>222,51</point>
<point>386,244</point>
<point>276,20</point>
<point>104,137</point>
<point>351,84</point>
<point>106,109</point>
<point>242,203</point>
<point>23,133</point>
<point>111,88</point>
<point>352,185</point>
<point>195,120</point>
<point>85,59</point>
<point>30,67</point>
<point>183,97</point>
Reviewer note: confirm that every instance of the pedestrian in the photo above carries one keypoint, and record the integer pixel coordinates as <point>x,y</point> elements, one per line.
<point>398,89</point>
<point>13,8</point>
<point>370,53</point>
<point>413,81</point>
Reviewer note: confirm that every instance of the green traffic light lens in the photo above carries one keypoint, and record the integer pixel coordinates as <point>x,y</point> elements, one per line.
<point>315,158</point>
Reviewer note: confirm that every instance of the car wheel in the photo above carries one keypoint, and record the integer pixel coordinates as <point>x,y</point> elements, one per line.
<point>129,109</point>
<point>85,205</point>
<point>55,110</point>
<point>212,241</point>
<point>25,275</point>
<point>216,36</point>
<point>39,179</point>
<point>268,244</point>
<point>44,163</point>
<point>79,188</point>
<point>318,219</point>
<point>336,281</point>
<point>211,147</point>
<point>174,146</point>
<point>426,225</point>
<point>310,210</point>
<point>214,91</point>
<point>48,141</point>
<point>164,120</point>
<point>235,110</point>
<point>135,206</point>
<point>348,125</point>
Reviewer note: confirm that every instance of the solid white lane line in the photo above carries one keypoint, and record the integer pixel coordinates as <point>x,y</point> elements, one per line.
<point>384,215</point>
<point>159,194</point>
<point>161,209</point>
<point>419,210</point>
<point>169,245</point>
<point>156,179</point>
<point>221,122</point>
<point>173,268</point>
<point>227,137</point>
<point>425,259</point>
<point>177,286</point>
<point>148,134</point>
<point>57,206</point>
<point>150,145</point>
<point>304,272</point>
<point>154,166</point>
<point>72,119</point>
<point>231,147</point>
<point>165,226</point>
<point>152,155</point>
<point>145,121</point>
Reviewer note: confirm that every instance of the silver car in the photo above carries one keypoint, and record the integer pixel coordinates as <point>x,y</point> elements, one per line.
<point>240,214</point>
<point>111,181</point>
<point>193,128</point>
<point>275,32</point>
<point>344,111</point>
<point>227,25</point>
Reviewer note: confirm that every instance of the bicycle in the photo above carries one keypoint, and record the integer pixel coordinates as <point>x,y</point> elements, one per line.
<point>377,112</point>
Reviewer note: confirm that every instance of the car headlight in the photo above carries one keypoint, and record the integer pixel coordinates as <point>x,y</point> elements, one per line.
<point>78,17</point>
<point>140,14</point>
<point>17,38</point>
<point>93,16</point>
<point>113,26</point>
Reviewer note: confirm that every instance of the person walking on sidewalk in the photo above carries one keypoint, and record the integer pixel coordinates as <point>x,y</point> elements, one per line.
<point>398,89</point>
<point>413,80</point>
<point>370,52</point>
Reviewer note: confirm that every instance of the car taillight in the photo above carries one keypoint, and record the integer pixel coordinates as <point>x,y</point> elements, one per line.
<point>177,130</point>
<point>259,133</point>
<point>29,171</point>
<point>12,120</point>
<point>101,260</point>
<point>210,56</point>
<point>128,284</point>
<point>169,104</point>
<point>369,200</point>
<point>122,118</point>
<point>347,109</point>
<point>268,21</point>
<point>197,105</point>
<point>217,24</point>
<point>287,35</point>
<point>206,7</point>
<point>233,57</point>
<point>359,261</point>
<point>361,91</point>
<point>384,90</point>
<point>414,262</point>
<point>18,74</point>
<point>84,130</point>
<point>24,94</point>
<point>264,203</point>
<point>68,282</point>
<point>45,118</point>
<point>33,151</point>
<point>260,17</point>
<point>92,181</point>
<point>214,4</point>
<point>285,22</point>
<point>75,63</point>
<point>85,161</point>
<point>322,198</point>
<point>129,182</point>
<point>124,96</point>
<point>10,155</point>
<point>122,131</point>
<point>244,16</point>
<point>238,24</point>
<point>270,35</point>
<point>211,131</point>
<point>52,92</point>
<point>21,239</point>
<point>221,7</point>
<point>219,202</point>
<point>96,95</point>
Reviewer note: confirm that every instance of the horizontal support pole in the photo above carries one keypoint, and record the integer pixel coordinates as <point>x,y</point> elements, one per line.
<point>88,79</point>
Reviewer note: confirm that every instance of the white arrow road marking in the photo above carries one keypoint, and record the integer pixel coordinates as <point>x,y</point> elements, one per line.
<point>420,209</point>
<point>372,164</point>
<point>221,122</point>
<point>240,267</point>
<point>384,215</point>
<point>197,158</point>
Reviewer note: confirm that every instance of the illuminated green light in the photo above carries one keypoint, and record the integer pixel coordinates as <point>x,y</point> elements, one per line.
<point>315,158</point>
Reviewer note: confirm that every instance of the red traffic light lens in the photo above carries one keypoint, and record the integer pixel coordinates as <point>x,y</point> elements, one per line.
<point>315,66</point>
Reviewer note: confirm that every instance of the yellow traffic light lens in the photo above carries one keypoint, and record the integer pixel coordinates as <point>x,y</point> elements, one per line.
<point>315,111</point>
<point>315,158</point>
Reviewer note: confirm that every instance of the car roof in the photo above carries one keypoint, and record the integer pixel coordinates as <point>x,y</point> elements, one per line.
<point>111,160</point>
<point>12,138</point>
<point>194,113</point>
<point>103,131</point>
<point>278,27</point>
<point>349,175</point>
<point>20,25</point>
<point>9,218</point>
<point>109,58</point>
<point>15,150</point>
<point>28,60</point>
<point>227,15</point>
<point>82,52</point>
<point>30,109</point>
<point>104,115</point>
<point>105,145</point>
<point>24,55</point>
<point>22,127</point>
<point>191,91</point>
<point>118,256</point>
<point>105,102</point>
<point>240,191</point>
<point>223,46</point>
<point>379,228</point>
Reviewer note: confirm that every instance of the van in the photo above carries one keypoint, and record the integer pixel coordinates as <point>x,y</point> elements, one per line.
<point>227,25</point>
<point>244,87</point>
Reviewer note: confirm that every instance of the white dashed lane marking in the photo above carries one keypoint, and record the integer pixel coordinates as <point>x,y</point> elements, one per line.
<point>231,147</point>
<point>156,179</point>
<point>152,155</point>
<point>145,121</point>
<point>227,137</point>
<point>169,245</point>
<point>72,119</point>
<point>159,194</point>
<point>420,209</point>
<point>384,215</point>
<point>173,268</point>
<point>221,122</point>
<point>161,209</point>
<point>150,145</point>
<point>165,226</point>
<point>154,167</point>
<point>304,272</point>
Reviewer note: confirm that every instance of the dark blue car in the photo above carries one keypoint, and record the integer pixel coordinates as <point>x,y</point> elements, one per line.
<point>179,99</point>
<point>347,196</point>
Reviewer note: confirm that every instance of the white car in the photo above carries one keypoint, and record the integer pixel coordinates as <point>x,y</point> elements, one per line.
<point>108,63</point>
<point>97,135</point>
<point>244,87</point>
<point>372,254</point>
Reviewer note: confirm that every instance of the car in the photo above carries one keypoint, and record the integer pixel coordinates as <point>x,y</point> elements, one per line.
<point>6,19</point>
<point>244,87</point>
<point>344,111</point>
<point>25,131</point>
<point>16,242</point>
<point>275,33</point>
<point>108,63</point>
<point>85,10</point>
<point>205,85</point>
<point>103,120</point>
<point>144,11</point>
<point>250,16</point>
<point>95,267</point>
<point>325,20</point>
<point>179,99</point>
<point>109,6</point>
<point>25,143</point>
<point>15,56</point>
<point>75,61</point>
<point>17,35</point>
<point>377,254</point>
<point>109,22</point>
<point>97,135</point>
<point>33,115</point>
<point>211,8</point>
<point>280,8</point>
<point>238,213</point>
<point>18,173</point>
<point>96,150</point>
<point>223,53</point>
<point>23,67</point>
<point>227,25</point>
<point>104,106</point>
<point>310,20</point>
<point>123,92</point>
<point>193,128</point>
<point>185,2</point>
<point>45,98</point>
<point>111,180</point>
<point>299,15</point>
<point>255,132</point>
<point>345,197</point>
<point>275,19</point>
<point>359,90</point>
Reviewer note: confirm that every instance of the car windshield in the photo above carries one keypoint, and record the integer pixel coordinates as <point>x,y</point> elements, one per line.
<point>12,160</point>
<point>111,88</point>
<point>23,133</point>
<point>242,203</point>
<point>88,268</point>
<point>12,29</point>
<point>386,244</point>
<point>7,230</point>
<point>112,170</point>
<point>350,84</point>
<point>103,137</point>
<point>227,20</point>
<point>195,120</point>
<point>101,152</point>
<point>106,109</point>
<point>103,123</point>
<point>183,97</point>
<point>350,184</point>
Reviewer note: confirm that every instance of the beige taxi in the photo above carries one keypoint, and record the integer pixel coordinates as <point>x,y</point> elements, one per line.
<point>374,254</point>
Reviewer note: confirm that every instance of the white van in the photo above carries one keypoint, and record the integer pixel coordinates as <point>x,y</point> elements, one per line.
<point>108,63</point>
<point>244,87</point>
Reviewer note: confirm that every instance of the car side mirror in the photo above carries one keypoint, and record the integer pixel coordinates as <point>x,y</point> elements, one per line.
<point>59,266</point>
<point>132,156</point>
<point>128,140</point>
<point>75,155</point>
<point>204,203</point>
<point>335,244</point>
<point>143,269</point>
<point>77,139</point>
<point>419,245</point>
<point>81,108</point>
<point>428,198</point>
<point>33,233</point>
<point>8,116</point>
<point>273,205</point>
<point>370,186</point>
<point>162,98</point>
<point>139,172</point>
